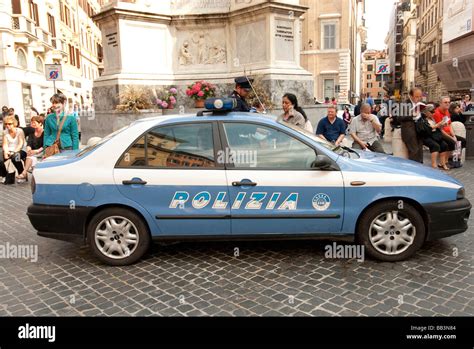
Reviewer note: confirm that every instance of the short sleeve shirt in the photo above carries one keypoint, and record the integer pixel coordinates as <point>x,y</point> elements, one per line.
<point>331,131</point>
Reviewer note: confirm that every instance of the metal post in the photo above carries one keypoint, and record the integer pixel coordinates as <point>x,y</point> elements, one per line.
<point>54,86</point>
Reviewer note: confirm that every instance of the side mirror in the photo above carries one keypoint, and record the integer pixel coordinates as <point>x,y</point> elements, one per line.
<point>322,162</point>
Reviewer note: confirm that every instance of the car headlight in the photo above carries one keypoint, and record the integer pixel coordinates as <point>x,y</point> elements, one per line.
<point>461,194</point>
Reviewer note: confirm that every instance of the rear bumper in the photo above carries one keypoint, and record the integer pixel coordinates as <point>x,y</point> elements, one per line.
<point>59,222</point>
<point>447,218</point>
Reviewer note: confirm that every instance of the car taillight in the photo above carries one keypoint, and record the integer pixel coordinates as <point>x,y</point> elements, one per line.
<point>33,185</point>
<point>461,194</point>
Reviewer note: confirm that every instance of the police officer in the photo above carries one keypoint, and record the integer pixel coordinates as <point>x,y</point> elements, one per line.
<point>242,89</point>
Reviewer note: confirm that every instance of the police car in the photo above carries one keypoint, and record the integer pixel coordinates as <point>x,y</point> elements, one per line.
<point>227,175</point>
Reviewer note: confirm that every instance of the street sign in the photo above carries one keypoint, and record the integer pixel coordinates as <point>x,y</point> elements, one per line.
<point>54,72</point>
<point>382,67</point>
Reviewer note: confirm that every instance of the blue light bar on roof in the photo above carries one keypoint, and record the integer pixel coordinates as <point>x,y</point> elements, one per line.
<point>220,104</point>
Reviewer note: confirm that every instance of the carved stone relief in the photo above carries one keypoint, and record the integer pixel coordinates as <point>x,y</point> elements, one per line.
<point>202,48</point>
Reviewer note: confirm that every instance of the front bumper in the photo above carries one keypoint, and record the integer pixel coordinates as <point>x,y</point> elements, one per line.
<point>447,218</point>
<point>59,222</point>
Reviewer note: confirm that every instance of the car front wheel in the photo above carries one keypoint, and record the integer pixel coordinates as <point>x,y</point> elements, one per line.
<point>391,231</point>
<point>118,236</point>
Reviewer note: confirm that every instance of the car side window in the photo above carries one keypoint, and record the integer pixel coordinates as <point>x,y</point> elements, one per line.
<point>174,146</point>
<point>257,146</point>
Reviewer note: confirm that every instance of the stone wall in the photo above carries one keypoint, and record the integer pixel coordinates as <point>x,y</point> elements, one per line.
<point>102,123</point>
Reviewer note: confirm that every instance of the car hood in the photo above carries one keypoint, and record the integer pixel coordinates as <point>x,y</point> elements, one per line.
<point>383,163</point>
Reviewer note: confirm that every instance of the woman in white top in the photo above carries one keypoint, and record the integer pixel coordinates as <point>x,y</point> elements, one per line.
<point>294,114</point>
<point>13,144</point>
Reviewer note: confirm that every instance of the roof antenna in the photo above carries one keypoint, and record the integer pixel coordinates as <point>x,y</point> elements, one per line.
<point>256,95</point>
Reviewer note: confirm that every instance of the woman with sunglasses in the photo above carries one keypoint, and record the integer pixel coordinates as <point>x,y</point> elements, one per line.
<point>34,147</point>
<point>13,143</point>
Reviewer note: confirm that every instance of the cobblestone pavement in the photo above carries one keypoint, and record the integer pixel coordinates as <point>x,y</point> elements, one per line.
<point>266,278</point>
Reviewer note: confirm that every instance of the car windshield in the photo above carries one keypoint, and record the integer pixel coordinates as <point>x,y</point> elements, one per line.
<point>339,150</point>
<point>92,147</point>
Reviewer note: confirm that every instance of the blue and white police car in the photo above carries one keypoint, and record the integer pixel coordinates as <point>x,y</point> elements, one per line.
<point>233,175</point>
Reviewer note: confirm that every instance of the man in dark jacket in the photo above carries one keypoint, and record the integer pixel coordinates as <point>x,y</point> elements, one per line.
<point>242,89</point>
<point>407,117</point>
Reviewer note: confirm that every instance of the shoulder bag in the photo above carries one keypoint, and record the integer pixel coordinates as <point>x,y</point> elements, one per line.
<point>56,146</point>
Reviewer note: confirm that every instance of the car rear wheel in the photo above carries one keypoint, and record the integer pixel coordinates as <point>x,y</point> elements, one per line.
<point>391,231</point>
<point>118,236</point>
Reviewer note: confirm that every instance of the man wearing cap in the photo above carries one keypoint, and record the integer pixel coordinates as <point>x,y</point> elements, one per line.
<point>242,89</point>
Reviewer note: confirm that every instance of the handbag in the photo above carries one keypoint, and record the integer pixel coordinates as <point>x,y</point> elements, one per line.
<point>55,147</point>
<point>10,176</point>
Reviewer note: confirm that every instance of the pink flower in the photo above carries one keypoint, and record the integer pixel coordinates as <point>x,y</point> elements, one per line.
<point>207,88</point>
<point>198,86</point>
<point>159,101</point>
<point>164,105</point>
<point>173,90</point>
<point>189,93</point>
<point>200,93</point>
<point>172,99</point>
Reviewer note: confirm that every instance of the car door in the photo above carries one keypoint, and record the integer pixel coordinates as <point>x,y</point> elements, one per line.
<point>172,172</point>
<point>272,185</point>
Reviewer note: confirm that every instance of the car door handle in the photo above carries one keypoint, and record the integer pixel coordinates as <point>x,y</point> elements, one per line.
<point>244,184</point>
<point>133,181</point>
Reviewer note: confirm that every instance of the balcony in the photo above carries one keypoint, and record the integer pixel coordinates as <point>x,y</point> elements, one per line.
<point>23,24</point>
<point>60,48</point>
<point>43,36</point>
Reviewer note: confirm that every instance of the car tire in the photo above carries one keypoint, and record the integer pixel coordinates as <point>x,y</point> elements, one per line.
<point>118,236</point>
<point>391,231</point>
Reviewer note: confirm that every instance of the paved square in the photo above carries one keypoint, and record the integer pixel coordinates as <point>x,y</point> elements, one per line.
<point>251,278</point>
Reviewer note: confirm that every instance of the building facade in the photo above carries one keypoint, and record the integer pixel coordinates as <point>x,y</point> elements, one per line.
<point>408,67</point>
<point>372,83</point>
<point>333,35</point>
<point>394,41</point>
<point>456,70</point>
<point>34,33</point>
<point>430,49</point>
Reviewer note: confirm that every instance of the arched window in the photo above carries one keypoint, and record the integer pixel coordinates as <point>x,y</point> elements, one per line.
<point>39,65</point>
<point>21,59</point>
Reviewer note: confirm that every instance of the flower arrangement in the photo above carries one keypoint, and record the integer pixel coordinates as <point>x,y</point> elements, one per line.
<point>166,99</point>
<point>201,90</point>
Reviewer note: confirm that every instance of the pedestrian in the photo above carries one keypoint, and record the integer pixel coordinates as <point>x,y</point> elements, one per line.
<point>346,116</point>
<point>333,101</point>
<point>4,111</point>
<point>430,132</point>
<point>442,114</point>
<point>326,100</point>
<point>331,128</point>
<point>357,108</point>
<point>370,100</point>
<point>59,121</point>
<point>466,104</point>
<point>13,143</point>
<point>384,113</point>
<point>365,129</point>
<point>11,111</point>
<point>292,113</point>
<point>456,113</point>
<point>34,147</point>
<point>406,122</point>
<point>241,91</point>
